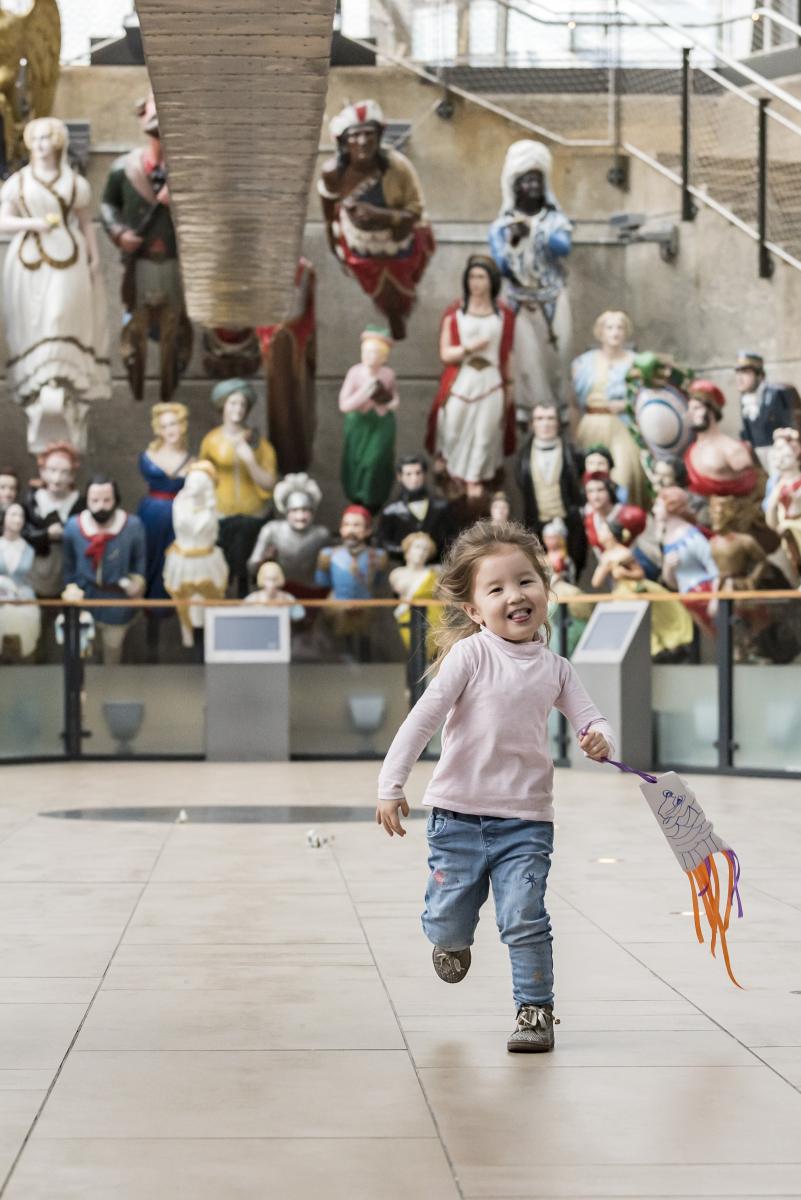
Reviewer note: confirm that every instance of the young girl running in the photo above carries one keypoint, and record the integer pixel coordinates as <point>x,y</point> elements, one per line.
<point>490,796</point>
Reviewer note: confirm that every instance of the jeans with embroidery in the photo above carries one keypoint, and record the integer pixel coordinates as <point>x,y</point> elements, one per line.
<point>468,853</point>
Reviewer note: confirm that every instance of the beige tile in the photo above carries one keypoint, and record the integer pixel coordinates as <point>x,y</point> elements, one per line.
<point>25,1079</point>
<point>784,1059</point>
<point>51,990</point>
<point>66,907</point>
<point>287,1014</point>
<point>220,967</point>
<point>294,869</point>
<point>59,955</point>
<point>667,1115</point>
<point>207,913</point>
<point>18,1108</point>
<point>298,1169</point>
<point>37,1035</point>
<point>239,1095</point>
<point>589,1048</point>
<point>53,851</point>
<point>602,1181</point>
<point>772,964</point>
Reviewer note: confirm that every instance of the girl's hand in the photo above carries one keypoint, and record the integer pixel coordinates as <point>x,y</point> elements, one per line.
<point>386,814</point>
<point>594,745</point>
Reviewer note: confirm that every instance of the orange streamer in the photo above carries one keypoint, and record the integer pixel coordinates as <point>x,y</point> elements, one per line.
<point>707,886</point>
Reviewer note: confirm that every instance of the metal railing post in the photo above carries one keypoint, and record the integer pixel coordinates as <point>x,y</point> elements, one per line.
<point>725,648</point>
<point>618,173</point>
<point>73,681</point>
<point>765,260</point>
<point>688,209</point>
<point>563,739</point>
<point>418,659</point>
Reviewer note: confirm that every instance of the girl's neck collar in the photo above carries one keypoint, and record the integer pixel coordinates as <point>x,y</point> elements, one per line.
<point>514,649</point>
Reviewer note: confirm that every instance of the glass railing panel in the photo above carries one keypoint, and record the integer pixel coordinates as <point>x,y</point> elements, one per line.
<point>767,685</point>
<point>31,710</point>
<point>685,713</point>
<point>349,683</point>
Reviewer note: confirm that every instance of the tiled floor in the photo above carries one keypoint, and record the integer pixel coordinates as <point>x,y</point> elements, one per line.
<point>220,1012</point>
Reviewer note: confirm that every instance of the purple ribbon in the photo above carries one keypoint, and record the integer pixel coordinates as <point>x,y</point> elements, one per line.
<point>621,766</point>
<point>735,891</point>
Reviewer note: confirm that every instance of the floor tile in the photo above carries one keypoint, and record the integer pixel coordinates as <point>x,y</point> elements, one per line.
<point>287,1014</point>
<point>223,967</point>
<point>591,1048</point>
<point>37,1035</point>
<point>600,1181</point>
<point>45,955</point>
<point>246,1169</point>
<point>206,913</point>
<point>236,1094</point>
<point>667,1115</point>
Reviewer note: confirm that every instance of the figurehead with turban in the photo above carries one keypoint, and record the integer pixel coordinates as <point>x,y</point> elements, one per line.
<point>530,241</point>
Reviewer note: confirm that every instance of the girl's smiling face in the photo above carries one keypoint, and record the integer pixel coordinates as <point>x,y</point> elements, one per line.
<point>509,597</point>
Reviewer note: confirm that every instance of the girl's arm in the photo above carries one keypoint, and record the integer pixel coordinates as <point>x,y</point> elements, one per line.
<point>417,731</point>
<point>574,701</point>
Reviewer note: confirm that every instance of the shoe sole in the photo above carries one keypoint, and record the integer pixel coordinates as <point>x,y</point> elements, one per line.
<point>456,978</point>
<point>524,1048</point>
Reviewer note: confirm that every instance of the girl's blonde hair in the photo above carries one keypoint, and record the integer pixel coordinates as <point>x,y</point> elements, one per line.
<point>175,408</point>
<point>456,583</point>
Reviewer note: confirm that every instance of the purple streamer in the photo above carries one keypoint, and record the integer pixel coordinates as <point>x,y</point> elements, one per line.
<point>735,891</point>
<point>708,865</point>
<point>621,766</point>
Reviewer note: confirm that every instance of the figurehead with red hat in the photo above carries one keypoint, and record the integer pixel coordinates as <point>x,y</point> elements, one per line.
<point>352,570</point>
<point>373,210</point>
<point>717,464</point>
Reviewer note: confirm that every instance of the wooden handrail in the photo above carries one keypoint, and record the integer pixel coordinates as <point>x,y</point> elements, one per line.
<point>579,598</point>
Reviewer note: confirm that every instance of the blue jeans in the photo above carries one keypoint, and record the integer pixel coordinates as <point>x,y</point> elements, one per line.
<point>466,855</point>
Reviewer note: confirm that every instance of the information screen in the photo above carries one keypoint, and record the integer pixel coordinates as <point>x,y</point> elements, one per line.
<point>609,632</point>
<point>251,633</point>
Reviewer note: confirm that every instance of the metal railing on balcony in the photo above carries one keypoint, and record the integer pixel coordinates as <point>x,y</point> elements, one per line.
<point>632,79</point>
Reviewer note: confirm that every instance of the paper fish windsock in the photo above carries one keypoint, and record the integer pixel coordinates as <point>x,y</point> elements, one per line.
<point>694,842</point>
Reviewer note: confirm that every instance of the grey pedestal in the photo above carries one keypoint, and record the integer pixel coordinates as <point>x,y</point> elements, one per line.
<point>613,661</point>
<point>247,712</point>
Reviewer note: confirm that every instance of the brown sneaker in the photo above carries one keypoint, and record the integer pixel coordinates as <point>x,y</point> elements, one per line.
<point>534,1031</point>
<point>451,965</point>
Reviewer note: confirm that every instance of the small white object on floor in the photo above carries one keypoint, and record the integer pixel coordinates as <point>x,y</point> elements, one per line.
<point>315,840</point>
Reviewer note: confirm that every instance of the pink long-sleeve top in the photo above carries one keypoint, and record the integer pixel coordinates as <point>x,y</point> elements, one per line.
<point>494,697</point>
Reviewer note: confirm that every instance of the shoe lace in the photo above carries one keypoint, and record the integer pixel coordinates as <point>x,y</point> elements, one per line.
<point>534,1017</point>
